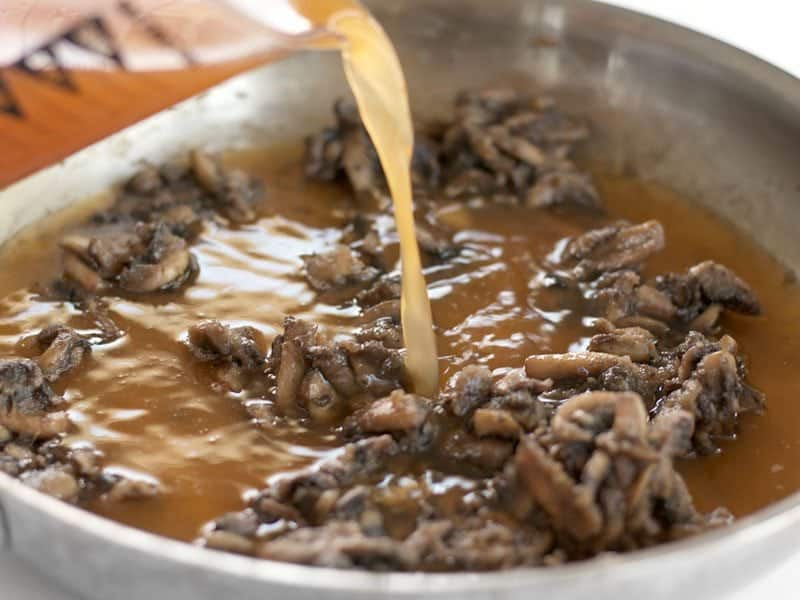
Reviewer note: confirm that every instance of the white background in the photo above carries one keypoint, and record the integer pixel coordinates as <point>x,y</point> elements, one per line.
<point>767,28</point>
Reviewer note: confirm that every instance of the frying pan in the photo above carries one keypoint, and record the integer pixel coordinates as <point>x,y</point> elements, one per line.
<point>667,104</point>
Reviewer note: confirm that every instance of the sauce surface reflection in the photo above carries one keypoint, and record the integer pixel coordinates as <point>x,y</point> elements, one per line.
<point>151,409</point>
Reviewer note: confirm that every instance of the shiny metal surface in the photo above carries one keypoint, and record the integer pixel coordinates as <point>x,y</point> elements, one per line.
<point>4,538</point>
<point>666,104</point>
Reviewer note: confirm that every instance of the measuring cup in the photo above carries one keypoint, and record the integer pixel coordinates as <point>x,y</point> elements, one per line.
<point>74,72</point>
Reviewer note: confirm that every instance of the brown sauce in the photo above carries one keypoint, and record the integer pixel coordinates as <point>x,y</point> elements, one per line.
<point>150,408</point>
<point>763,464</point>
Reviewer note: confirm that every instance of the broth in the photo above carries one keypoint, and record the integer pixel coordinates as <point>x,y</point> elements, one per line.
<point>378,84</point>
<point>150,408</point>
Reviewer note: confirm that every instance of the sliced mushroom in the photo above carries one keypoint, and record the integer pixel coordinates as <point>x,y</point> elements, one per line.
<point>166,265</point>
<point>634,342</point>
<point>616,247</point>
<point>323,402</point>
<point>64,351</point>
<point>573,364</point>
<point>397,412</point>
<point>495,422</point>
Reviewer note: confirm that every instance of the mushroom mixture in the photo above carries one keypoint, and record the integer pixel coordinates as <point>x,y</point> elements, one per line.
<point>140,245</point>
<point>553,458</point>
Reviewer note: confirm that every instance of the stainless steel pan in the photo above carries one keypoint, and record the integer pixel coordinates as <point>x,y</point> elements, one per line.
<point>668,104</point>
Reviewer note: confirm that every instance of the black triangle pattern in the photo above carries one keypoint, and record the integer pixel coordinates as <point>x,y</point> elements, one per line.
<point>153,30</point>
<point>43,64</point>
<point>93,36</point>
<point>8,103</point>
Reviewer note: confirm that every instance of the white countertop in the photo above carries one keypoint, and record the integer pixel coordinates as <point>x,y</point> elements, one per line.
<point>766,28</point>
